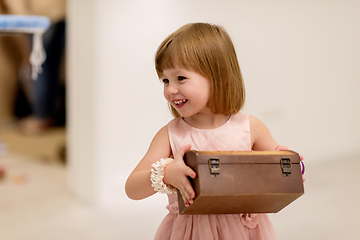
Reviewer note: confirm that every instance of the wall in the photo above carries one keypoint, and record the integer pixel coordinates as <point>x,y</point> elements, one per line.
<point>299,60</point>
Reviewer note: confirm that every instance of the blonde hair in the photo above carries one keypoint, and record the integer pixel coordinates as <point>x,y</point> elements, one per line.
<point>208,50</point>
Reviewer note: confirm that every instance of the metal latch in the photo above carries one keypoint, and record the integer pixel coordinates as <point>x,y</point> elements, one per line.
<point>286,166</point>
<point>214,165</point>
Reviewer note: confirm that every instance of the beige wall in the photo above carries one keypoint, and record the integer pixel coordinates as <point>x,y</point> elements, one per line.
<point>300,61</point>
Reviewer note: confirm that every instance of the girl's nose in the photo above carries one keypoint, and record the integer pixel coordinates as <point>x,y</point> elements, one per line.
<point>171,89</point>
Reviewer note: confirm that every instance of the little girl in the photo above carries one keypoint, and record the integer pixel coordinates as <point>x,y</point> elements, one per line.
<point>205,91</point>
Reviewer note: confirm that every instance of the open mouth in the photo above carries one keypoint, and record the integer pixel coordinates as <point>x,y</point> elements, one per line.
<point>180,103</point>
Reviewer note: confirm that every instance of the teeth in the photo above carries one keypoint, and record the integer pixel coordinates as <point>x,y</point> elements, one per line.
<point>180,102</point>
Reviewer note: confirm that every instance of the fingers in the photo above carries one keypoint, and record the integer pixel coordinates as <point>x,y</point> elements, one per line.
<point>281,148</point>
<point>190,173</point>
<point>180,154</point>
<point>184,172</point>
<point>284,148</point>
<point>188,195</point>
<point>187,192</point>
<point>184,149</point>
<point>186,189</point>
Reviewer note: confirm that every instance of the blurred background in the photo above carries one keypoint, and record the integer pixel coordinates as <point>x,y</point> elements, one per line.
<point>69,140</point>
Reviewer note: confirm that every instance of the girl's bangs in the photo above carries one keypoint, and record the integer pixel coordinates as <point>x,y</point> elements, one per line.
<point>174,55</point>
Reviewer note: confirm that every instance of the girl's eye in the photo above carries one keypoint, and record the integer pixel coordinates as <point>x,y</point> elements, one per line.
<point>165,81</point>
<point>181,78</point>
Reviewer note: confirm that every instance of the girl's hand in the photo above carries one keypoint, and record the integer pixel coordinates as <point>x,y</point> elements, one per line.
<point>281,148</point>
<point>284,148</point>
<point>176,174</point>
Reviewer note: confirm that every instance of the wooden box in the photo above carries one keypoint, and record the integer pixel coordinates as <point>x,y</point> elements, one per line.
<point>243,182</point>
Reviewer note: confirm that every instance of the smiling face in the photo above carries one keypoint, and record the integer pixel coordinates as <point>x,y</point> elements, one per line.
<point>186,91</point>
<point>206,49</point>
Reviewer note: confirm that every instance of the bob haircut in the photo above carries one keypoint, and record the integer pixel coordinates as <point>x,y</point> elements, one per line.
<point>208,50</point>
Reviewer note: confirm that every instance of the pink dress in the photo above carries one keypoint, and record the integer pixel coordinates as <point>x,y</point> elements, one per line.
<point>234,135</point>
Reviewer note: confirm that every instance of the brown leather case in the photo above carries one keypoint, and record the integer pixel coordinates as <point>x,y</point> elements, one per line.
<point>243,182</point>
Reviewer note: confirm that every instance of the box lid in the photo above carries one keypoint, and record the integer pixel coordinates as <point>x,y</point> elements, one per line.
<point>192,158</point>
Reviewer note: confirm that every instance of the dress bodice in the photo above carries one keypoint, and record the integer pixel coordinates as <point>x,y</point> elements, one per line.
<point>234,135</point>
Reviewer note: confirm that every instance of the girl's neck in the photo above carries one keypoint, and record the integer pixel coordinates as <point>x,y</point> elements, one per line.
<point>207,121</point>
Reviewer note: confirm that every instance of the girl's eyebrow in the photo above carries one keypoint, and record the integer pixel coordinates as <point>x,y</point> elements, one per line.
<point>176,71</point>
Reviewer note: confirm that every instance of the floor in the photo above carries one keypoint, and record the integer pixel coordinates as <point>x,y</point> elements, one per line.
<point>35,204</point>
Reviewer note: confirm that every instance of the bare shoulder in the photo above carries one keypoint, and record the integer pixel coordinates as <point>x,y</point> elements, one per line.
<point>254,121</point>
<point>160,145</point>
<point>161,137</point>
<point>257,126</point>
<point>159,148</point>
<point>261,139</point>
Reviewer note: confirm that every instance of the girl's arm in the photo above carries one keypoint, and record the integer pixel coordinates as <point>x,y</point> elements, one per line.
<point>261,139</point>
<point>138,184</point>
